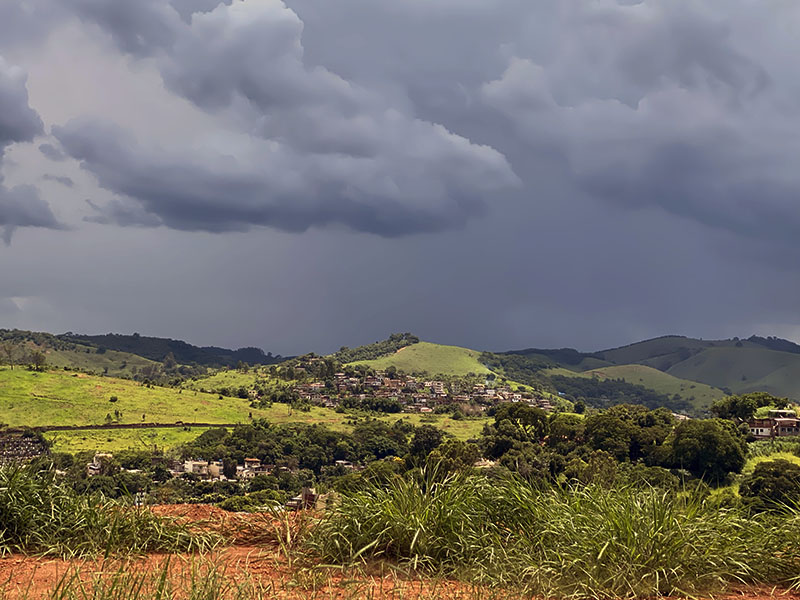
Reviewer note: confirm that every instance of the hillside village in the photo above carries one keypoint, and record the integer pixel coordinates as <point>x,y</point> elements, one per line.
<point>413,394</point>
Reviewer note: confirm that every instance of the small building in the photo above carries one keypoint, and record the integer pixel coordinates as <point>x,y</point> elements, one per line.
<point>771,427</point>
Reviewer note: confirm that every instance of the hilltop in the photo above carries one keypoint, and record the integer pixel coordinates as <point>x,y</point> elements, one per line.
<point>435,359</point>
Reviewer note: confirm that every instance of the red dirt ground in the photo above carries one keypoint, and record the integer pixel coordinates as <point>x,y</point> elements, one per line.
<point>254,557</point>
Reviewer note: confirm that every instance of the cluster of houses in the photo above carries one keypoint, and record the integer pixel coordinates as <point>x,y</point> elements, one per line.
<point>16,446</point>
<point>211,470</point>
<point>414,394</point>
<point>778,423</point>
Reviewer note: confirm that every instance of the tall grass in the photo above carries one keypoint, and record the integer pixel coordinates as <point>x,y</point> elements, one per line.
<point>583,542</point>
<point>41,515</point>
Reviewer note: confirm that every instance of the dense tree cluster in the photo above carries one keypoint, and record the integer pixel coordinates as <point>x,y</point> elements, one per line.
<point>372,351</point>
<point>744,407</point>
<point>540,446</point>
<point>601,393</point>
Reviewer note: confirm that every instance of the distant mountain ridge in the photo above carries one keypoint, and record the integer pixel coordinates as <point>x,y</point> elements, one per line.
<point>157,349</point>
<point>735,365</point>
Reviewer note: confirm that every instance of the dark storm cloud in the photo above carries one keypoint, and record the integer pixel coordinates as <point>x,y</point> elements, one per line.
<point>18,121</point>
<point>653,105</point>
<point>317,149</point>
<point>655,144</point>
<point>20,206</point>
<point>212,192</point>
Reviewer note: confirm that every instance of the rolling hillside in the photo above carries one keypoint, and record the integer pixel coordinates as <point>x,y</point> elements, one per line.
<point>435,359</point>
<point>63,398</point>
<point>61,353</point>
<point>736,365</point>
<point>34,399</point>
<point>698,394</point>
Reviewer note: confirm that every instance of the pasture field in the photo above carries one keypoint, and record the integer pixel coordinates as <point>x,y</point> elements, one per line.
<point>65,398</point>
<point>114,440</point>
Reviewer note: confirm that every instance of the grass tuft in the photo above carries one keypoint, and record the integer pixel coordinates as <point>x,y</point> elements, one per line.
<point>40,515</point>
<point>584,542</point>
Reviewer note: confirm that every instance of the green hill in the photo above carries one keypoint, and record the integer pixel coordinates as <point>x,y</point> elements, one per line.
<point>744,369</point>
<point>17,346</point>
<point>434,359</point>
<point>698,394</point>
<point>735,365</point>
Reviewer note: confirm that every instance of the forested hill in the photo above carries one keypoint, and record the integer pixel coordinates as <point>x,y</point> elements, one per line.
<point>157,349</point>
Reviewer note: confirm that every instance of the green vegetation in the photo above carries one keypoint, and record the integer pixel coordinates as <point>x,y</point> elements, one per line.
<point>230,379</point>
<point>41,515</point>
<point>575,542</point>
<point>773,485</point>
<point>433,359</point>
<point>29,398</point>
<point>601,393</point>
<point>395,342</point>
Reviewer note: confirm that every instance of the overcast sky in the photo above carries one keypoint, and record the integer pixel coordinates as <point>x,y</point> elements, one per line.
<point>308,174</point>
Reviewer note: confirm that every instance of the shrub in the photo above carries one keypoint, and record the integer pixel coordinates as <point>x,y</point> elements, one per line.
<point>773,485</point>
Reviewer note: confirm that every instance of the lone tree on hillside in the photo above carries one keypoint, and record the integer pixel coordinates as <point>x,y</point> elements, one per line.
<point>38,360</point>
<point>10,352</point>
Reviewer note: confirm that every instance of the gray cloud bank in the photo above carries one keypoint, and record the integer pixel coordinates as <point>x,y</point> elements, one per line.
<point>591,172</point>
<point>648,104</point>
<point>315,148</point>
<point>20,206</point>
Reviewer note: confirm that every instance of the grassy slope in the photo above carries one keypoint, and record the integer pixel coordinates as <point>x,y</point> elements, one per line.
<point>662,382</point>
<point>739,366</point>
<point>120,439</point>
<point>92,361</point>
<point>745,369</point>
<point>63,398</point>
<point>649,350</point>
<point>432,358</point>
<point>229,378</point>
